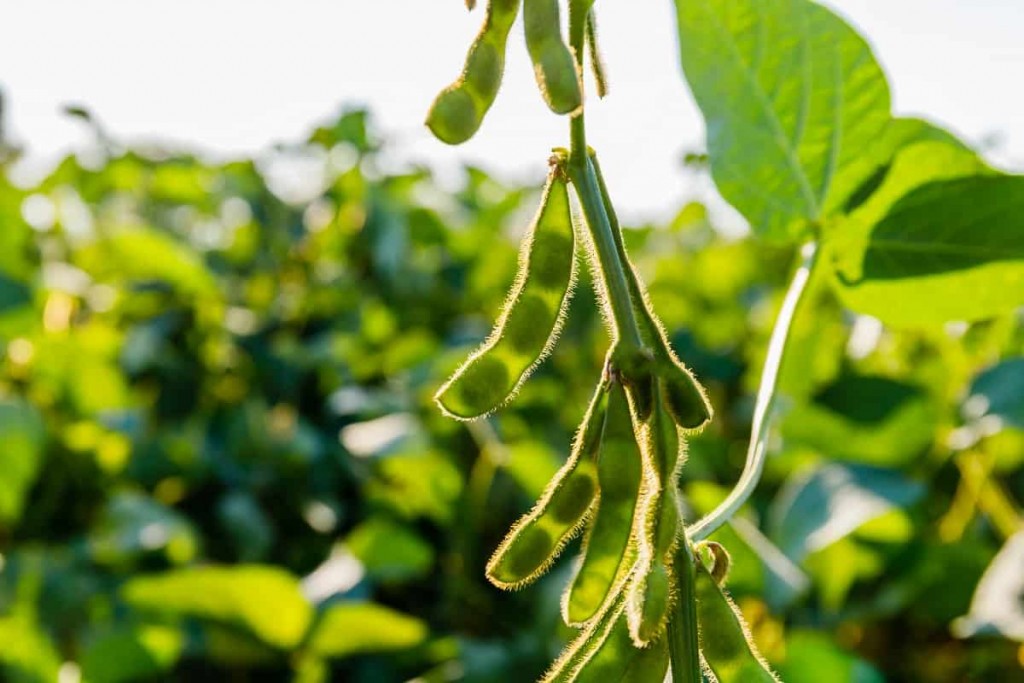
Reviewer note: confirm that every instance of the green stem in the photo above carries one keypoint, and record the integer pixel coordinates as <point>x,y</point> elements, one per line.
<point>757,451</point>
<point>683,637</point>
<point>584,180</point>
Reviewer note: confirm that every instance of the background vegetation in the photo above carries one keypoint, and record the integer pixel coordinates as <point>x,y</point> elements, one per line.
<point>219,457</point>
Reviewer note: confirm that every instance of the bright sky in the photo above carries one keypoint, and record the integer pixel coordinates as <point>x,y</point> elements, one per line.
<point>234,76</point>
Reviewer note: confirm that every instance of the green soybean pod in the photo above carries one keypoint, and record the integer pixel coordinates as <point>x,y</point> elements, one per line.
<point>596,62</point>
<point>609,549</point>
<point>585,645</point>
<point>617,659</point>
<point>726,647</point>
<point>687,399</point>
<point>653,592</point>
<point>457,112</point>
<point>531,318</point>
<point>604,652</point>
<point>553,62</point>
<point>539,536</point>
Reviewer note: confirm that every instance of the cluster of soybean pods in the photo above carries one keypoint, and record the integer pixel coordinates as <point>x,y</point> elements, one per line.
<point>619,484</point>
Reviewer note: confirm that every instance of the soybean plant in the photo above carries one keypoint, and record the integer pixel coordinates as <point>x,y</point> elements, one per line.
<point>641,597</point>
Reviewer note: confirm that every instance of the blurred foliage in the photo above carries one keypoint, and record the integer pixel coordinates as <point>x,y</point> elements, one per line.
<point>220,460</point>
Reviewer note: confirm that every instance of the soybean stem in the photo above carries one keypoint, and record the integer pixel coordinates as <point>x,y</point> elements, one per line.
<point>683,642</point>
<point>766,393</point>
<point>584,180</point>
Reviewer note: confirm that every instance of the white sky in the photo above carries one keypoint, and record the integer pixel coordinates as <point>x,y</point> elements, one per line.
<point>234,76</point>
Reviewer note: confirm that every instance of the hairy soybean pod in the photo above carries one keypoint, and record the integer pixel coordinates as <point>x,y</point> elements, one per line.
<point>459,109</point>
<point>531,318</point>
<point>604,652</point>
<point>725,642</point>
<point>687,399</point>
<point>618,660</point>
<point>553,61</point>
<point>653,592</point>
<point>608,548</point>
<point>537,538</point>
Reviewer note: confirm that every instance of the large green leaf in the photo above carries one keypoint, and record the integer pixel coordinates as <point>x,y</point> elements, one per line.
<point>264,601</point>
<point>352,628</point>
<point>815,510</point>
<point>131,654</point>
<point>948,250</point>
<point>795,106</point>
<point>867,419</point>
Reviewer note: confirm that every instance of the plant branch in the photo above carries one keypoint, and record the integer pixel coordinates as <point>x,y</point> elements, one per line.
<point>683,639</point>
<point>766,393</point>
<point>584,180</point>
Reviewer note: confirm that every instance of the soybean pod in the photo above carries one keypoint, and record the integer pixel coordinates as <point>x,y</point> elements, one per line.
<point>596,62</point>
<point>616,659</point>
<point>726,647</point>
<point>687,399</point>
<point>654,591</point>
<point>457,112</point>
<point>531,318</point>
<point>553,62</point>
<point>539,536</point>
<point>609,550</point>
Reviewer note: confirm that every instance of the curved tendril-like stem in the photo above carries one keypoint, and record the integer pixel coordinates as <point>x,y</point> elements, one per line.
<point>757,450</point>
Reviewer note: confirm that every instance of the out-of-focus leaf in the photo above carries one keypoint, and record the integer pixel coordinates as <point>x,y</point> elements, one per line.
<point>531,465</point>
<point>947,250</point>
<point>830,502</point>
<point>353,628</point>
<point>998,604</point>
<point>998,391</point>
<point>21,452</point>
<point>246,524</point>
<point>13,294</point>
<point>390,551</point>
<point>265,601</point>
<point>133,525</point>
<point>794,103</point>
<point>144,254</point>
<point>812,658</point>
<point>26,653</point>
<point>868,419</point>
<point>417,485</point>
<point>131,654</point>
<point>838,566</point>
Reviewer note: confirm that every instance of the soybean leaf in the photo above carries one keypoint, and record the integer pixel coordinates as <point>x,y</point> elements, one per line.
<point>901,134</point>
<point>21,444</point>
<point>948,250</point>
<point>813,657</point>
<point>131,654</point>
<point>27,654</point>
<point>867,419</point>
<point>999,391</point>
<point>263,601</point>
<point>998,603</point>
<point>914,164</point>
<point>352,628</point>
<point>390,551</point>
<point>132,525</point>
<point>816,510</point>
<point>794,103</point>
